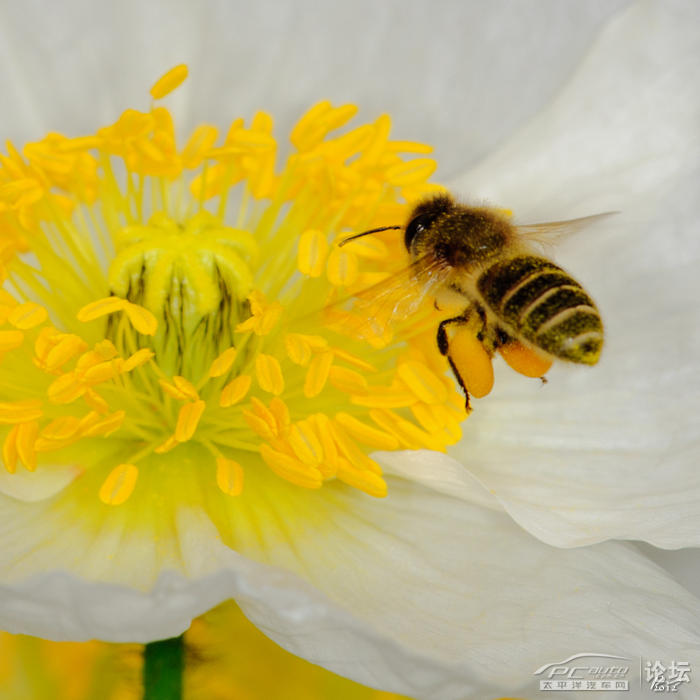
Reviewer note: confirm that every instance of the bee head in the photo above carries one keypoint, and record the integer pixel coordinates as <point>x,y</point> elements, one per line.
<point>423,217</point>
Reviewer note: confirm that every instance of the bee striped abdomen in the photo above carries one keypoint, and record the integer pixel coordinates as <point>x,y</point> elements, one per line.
<point>543,304</point>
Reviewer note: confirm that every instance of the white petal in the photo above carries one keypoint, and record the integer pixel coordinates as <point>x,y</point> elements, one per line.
<point>419,593</point>
<point>682,564</point>
<point>613,451</point>
<point>463,77</point>
<point>43,483</point>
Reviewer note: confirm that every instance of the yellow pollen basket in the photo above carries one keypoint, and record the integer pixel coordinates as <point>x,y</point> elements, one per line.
<point>195,294</point>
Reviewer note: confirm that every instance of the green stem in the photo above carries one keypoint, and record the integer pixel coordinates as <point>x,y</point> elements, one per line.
<point>163,665</point>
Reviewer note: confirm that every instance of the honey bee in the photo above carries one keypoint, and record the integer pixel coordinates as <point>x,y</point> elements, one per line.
<point>508,294</point>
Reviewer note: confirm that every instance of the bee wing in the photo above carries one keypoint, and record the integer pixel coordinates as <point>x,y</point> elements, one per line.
<point>554,231</point>
<point>372,313</point>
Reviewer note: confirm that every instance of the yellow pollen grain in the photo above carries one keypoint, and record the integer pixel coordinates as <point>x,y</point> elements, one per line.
<point>235,390</point>
<point>366,434</point>
<point>342,268</point>
<point>229,476</point>
<point>10,340</point>
<point>27,315</point>
<point>119,485</point>
<point>317,373</point>
<point>313,249</point>
<point>291,469</point>
<point>524,360</point>
<point>20,411</point>
<point>472,362</point>
<point>169,81</point>
<point>223,362</point>
<point>188,420</point>
<point>424,383</point>
<point>269,374</point>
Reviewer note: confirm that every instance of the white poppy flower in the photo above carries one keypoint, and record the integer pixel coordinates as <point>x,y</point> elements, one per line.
<point>433,591</point>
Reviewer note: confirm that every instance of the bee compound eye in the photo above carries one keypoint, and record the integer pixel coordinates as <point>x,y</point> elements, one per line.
<point>415,226</point>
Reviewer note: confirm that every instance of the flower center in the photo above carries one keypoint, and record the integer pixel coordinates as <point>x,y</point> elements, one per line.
<point>195,295</point>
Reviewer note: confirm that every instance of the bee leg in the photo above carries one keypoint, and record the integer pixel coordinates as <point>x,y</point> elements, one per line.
<point>443,347</point>
<point>458,377</point>
<point>441,338</point>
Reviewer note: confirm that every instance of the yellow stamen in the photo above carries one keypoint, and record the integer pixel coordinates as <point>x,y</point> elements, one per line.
<point>182,302</point>
<point>180,388</point>
<point>26,316</point>
<point>299,347</point>
<point>26,436</point>
<point>119,485</point>
<point>342,269</point>
<point>235,390</point>
<point>411,173</point>
<point>269,374</point>
<point>317,374</point>
<point>313,249</point>
<point>20,411</point>
<point>188,420</point>
<point>229,476</point>
<point>291,469</point>
<point>422,382</point>
<point>366,434</point>
<point>169,81</point>
<point>9,340</point>
<point>223,363</point>
<point>305,444</point>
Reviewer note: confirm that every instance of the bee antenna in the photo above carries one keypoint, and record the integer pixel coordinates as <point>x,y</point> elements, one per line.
<point>365,233</point>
